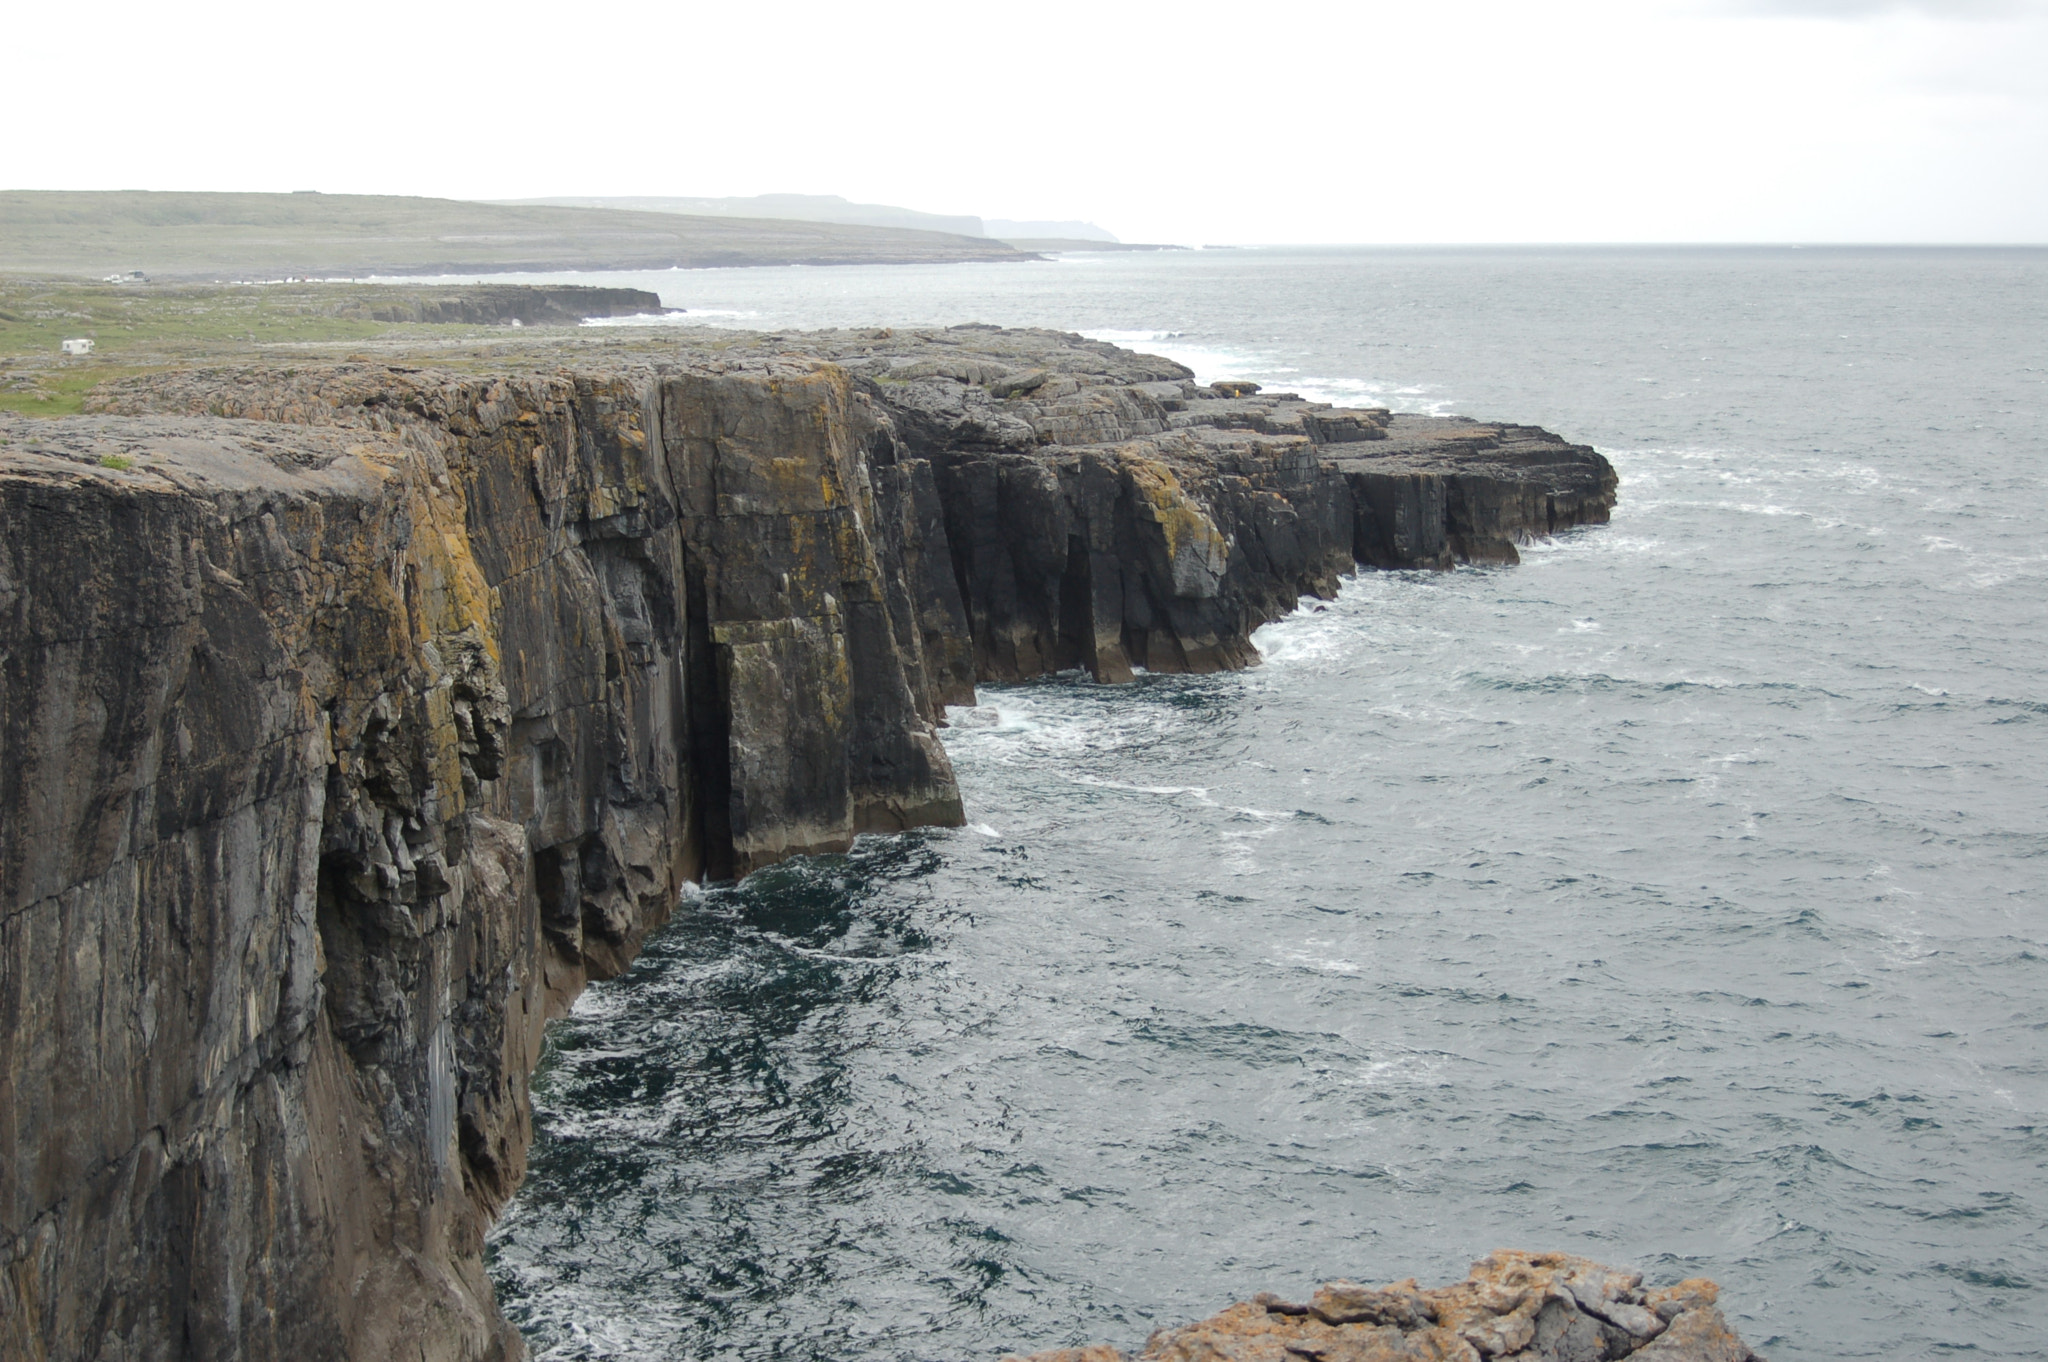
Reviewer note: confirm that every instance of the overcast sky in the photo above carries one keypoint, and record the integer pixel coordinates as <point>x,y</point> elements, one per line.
<point>1193,121</point>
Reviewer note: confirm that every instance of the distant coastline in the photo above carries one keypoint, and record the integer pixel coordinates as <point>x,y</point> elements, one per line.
<point>225,237</point>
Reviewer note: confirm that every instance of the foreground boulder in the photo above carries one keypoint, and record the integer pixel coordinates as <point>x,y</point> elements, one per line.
<point>1543,1307</point>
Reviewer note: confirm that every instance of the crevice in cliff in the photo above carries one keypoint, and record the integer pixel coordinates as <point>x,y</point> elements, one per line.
<point>1076,647</point>
<point>708,825</point>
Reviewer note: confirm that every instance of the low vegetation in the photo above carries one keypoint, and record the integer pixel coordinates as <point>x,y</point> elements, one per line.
<point>274,236</point>
<point>140,326</point>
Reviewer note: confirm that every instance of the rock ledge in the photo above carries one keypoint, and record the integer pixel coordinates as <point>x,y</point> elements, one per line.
<point>1542,1307</point>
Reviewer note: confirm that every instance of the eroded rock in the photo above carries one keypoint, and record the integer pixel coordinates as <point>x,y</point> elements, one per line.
<point>1538,1307</point>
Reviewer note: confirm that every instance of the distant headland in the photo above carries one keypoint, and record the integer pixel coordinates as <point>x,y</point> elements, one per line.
<point>222,237</point>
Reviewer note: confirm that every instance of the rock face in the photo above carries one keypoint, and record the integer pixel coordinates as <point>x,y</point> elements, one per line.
<point>1539,1307</point>
<point>353,716</point>
<point>504,304</point>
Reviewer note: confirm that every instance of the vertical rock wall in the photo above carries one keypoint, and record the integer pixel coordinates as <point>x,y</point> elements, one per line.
<point>247,875</point>
<point>1108,560</point>
<point>338,755</point>
<point>353,717</point>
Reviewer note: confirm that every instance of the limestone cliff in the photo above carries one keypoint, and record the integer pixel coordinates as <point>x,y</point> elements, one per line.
<point>353,716</point>
<point>492,304</point>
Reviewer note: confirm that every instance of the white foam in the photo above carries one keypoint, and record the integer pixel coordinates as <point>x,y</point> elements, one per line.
<point>1200,792</point>
<point>693,318</point>
<point>1322,964</point>
<point>1418,400</point>
<point>636,319</point>
<point>1208,362</point>
<point>1129,337</point>
<point>1603,543</point>
<point>973,716</point>
<point>1211,363</point>
<point>597,1004</point>
<point>1030,726</point>
<point>1313,631</point>
<point>1411,1068</point>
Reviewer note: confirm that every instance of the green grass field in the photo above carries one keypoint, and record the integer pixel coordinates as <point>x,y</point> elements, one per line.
<point>60,394</point>
<point>273,236</point>
<point>143,326</point>
<point>36,315</point>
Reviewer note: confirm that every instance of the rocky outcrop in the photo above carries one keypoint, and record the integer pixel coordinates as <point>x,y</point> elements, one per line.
<point>353,716</point>
<point>1534,1307</point>
<point>1109,513</point>
<point>501,304</point>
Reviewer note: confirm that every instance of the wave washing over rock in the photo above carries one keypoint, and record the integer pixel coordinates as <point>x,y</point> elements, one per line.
<point>354,715</point>
<point>1542,1307</point>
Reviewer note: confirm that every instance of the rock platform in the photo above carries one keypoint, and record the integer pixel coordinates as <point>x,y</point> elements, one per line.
<point>1529,1307</point>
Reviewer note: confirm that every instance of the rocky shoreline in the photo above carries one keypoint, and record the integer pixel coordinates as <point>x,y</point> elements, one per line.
<point>1539,1307</point>
<point>498,304</point>
<point>354,714</point>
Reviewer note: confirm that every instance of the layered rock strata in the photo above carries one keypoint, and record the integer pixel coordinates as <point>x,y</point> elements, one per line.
<point>353,716</point>
<point>1532,1307</point>
<point>499,304</point>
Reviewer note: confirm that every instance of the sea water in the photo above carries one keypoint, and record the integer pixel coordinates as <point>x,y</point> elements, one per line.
<point>1675,898</point>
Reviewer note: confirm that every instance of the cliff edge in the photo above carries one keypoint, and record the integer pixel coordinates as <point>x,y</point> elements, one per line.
<point>353,715</point>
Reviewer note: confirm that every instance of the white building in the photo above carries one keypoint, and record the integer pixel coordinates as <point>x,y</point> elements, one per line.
<point>76,347</point>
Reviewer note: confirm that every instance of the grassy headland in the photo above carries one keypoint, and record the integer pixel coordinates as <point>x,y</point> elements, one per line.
<point>136,327</point>
<point>273,236</point>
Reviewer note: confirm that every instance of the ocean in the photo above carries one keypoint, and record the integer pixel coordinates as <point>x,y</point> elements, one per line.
<point>1675,897</point>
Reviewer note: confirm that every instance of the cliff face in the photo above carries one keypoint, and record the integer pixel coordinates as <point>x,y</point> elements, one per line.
<point>499,304</point>
<point>352,717</point>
